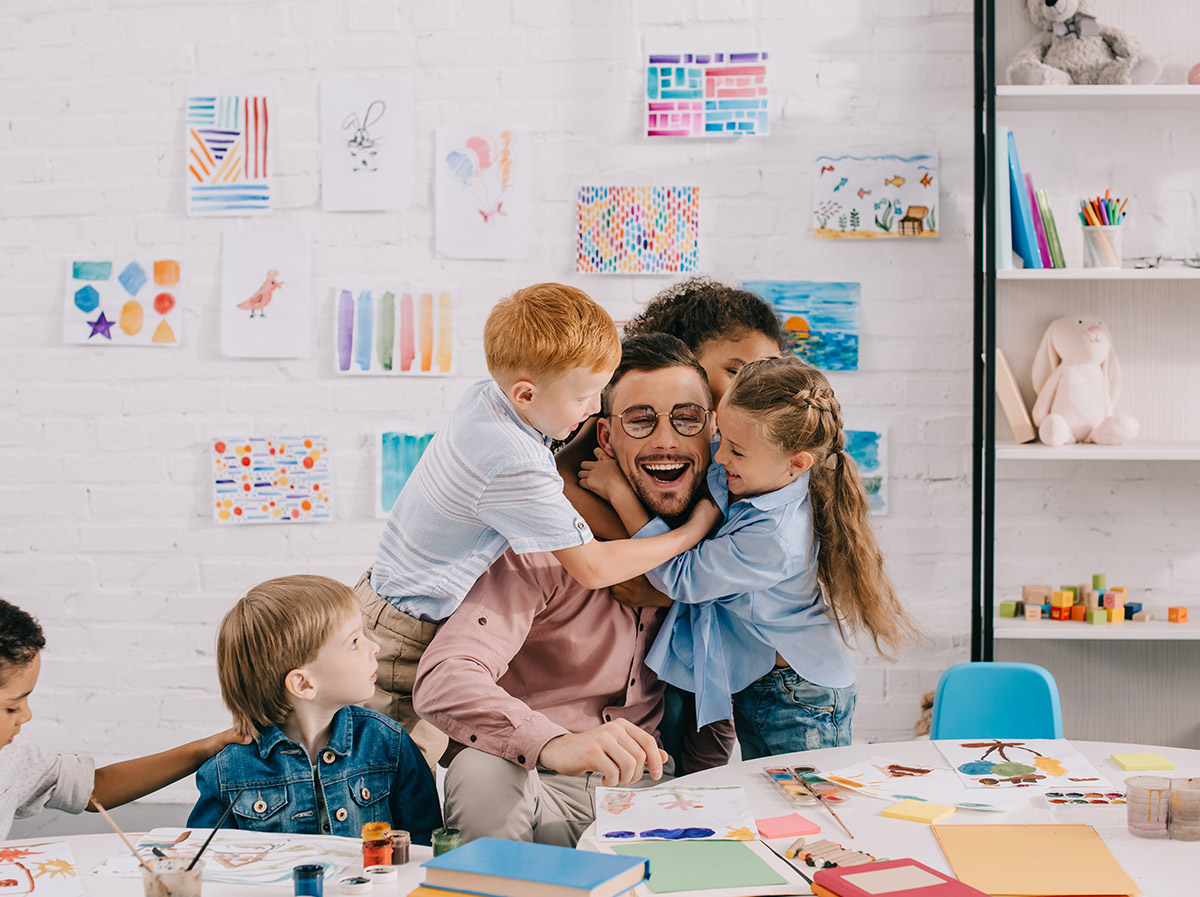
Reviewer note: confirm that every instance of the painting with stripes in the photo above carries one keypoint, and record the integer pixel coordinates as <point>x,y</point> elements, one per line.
<point>227,156</point>
<point>394,332</point>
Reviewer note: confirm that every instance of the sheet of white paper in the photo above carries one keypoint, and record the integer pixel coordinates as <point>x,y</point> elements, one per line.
<point>674,813</point>
<point>892,780</point>
<point>480,193</point>
<point>365,127</point>
<point>40,870</point>
<point>266,294</point>
<point>994,764</point>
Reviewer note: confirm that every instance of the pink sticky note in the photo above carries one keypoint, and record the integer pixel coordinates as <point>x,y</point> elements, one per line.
<point>789,826</point>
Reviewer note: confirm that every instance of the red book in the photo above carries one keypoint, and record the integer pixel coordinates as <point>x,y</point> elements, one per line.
<point>901,877</point>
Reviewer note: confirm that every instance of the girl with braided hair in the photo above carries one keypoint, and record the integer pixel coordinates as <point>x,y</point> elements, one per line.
<point>762,608</point>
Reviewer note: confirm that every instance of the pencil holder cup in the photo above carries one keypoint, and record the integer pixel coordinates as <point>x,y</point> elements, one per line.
<point>1147,803</point>
<point>171,878</point>
<point>1184,824</point>
<point>1102,246</point>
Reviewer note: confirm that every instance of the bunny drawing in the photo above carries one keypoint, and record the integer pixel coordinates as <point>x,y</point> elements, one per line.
<point>1077,379</point>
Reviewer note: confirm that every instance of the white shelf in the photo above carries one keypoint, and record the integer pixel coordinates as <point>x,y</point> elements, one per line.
<point>1134,451</point>
<point>1153,630</point>
<point>1174,272</point>
<point>1106,97</point>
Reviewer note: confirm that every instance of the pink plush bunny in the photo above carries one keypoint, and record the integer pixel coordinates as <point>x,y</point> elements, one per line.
<point>1077,380</point>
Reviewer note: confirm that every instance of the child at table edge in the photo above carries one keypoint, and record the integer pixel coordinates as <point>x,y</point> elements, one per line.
<point>293,660</point>
<point>32,779</point>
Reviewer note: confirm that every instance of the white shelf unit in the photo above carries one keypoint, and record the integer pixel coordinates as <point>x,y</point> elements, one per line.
<point>1134,451</point>
<point>1173,272</point>
<point>1152,630</point>
<point>1096,97</point>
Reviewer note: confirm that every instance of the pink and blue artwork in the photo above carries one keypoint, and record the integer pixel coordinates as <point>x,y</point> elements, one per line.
<point>122,302</point>
<point>396,459</point>
<point>707,95</point>
<point>868,448</point>
<point>637,230</point>
<point>820,320</point>
<point>385,332</point>
<point>227,155</point>
<point>284,479</point>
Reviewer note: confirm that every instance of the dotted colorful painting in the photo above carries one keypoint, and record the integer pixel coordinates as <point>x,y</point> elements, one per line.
<point>820,320</point>
<point>384,332</point>
<point>227,155</point>
<point>638,230</point>
<point>122,302</point>
<point>281,480</point>
<point>707,95</point>
<point>875,196</point>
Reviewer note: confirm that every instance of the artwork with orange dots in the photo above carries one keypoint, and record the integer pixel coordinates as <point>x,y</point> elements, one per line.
<point>637,230</point>
<point>122,302</point>
<point>284,479</point>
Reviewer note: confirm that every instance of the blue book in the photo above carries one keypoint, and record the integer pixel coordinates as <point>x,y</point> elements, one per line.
<point>497,868</point>
<point>1002,220</point>
<point>1024,237</point>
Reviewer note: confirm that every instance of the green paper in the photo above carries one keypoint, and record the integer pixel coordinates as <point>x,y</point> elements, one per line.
<point>700,865</point>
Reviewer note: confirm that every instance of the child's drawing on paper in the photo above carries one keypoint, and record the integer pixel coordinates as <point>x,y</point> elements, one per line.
<point>387,332</point>
<point>994,763</point>
<point>47,870</point>
<point>283,480</point>
<point>397,458</point>
<point>262,296</point>
<point>875,196</point>
<point>868,448</point>
<point>480,194</point>
<point>362,146</point>
<point>261,268</point>
<point>820,320</point>
<point>122,303</point>
<point>364,126</point>
<point>892,781</point>
<point>673,813</point>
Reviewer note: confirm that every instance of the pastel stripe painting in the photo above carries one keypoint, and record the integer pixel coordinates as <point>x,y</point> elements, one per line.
<point>227,140</point>
<point>372,339</point>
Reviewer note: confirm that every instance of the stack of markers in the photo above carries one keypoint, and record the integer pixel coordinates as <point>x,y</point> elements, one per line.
<point>1103,211</point>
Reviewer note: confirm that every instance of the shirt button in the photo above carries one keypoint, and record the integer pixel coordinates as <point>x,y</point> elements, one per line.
<point>329,756</point>
<point>580,525</point>
<point>482,621</point>
<point>260,806</point>
<point>521,759</point>
<point>472,737</point>
<point>607,718</point>
<point>341,814</point>
<point>631,682</point>
<point>641,627</point>
<point>366,793</point>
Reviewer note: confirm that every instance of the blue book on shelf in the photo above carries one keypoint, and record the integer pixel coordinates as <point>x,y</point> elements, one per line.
<point>497,868</point>
<point>1024,238</point>
<point>1002,220</point>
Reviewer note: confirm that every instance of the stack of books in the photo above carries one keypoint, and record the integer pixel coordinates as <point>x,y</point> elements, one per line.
<point>1024,224</point>
<point>491,867</point>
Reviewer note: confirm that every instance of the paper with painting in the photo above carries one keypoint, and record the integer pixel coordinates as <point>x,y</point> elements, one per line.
<point>240,857</point>
<point>44,870</point>
<point>673,813</point>
<point>1013,763</point>
<point>892,780</point>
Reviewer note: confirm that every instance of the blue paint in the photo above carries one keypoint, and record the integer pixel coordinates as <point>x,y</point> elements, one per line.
<point>678,834</point>
<point>829,309</point>
<point>87,299</point>
<point>618,834</point>
<point>364,325</point>
<point>399,454</point>
<point>91,271</point>
<point>132,278</point>
<point>976,768</point>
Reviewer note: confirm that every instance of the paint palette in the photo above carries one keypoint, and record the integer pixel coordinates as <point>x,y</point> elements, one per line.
<point>1085,797</point>
<point>801,788</point>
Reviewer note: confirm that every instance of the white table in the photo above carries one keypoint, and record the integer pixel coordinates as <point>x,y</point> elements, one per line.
<point>91,850</point>
<point>1161,868</point>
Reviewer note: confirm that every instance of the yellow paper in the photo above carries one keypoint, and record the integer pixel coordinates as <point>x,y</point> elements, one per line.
<point>1045,860</point>
<point>918,811</point>
<point>1142,761</point>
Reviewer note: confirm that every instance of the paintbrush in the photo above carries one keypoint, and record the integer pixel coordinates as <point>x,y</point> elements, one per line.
<point>825,803</point>
<point>220,822</point>
<point>787,860</point>
<point>116,828</point>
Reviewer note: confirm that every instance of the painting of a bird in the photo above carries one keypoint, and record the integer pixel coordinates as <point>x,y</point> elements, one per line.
<point>262,296</point>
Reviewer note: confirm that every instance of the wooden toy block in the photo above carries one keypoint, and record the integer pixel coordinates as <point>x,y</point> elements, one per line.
<point>1099,581</point>
<point>1079,613</point>
<point>1091,598</point>
<point>1072,589</point>
<point>1132,608</point>
<point>1130,762</point>
<point>1045,611</point>
<point>1033,611</point>
<point>1036,594</point>
<point>1143,616</point>
<point>1114,599</point>
<point>1115,614</point>
<point>1177,614</point>
<point>1056,613</point>
<point>1062,598</point>
<point>1008,608</point>
<point>1097,615</point>
<point>1081,591</point>
<point>1124,592</point>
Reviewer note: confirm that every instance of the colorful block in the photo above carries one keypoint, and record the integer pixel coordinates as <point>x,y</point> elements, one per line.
<point>1143,616</point>
<point>1057,613</point>
<point>1036,594</point>
<point>1115,614</point>
<point>1132,608</point>
<point>1097,615</point>
<point>1062,598</point>
<point>1177,614</point>
<point>1114,599</point>
<point>1072,589</point>
<point>1100,581</point>
<point>1091,598</point>
<point>1008,608</point>
<point>1079,613</point>
<point>1033,611</point>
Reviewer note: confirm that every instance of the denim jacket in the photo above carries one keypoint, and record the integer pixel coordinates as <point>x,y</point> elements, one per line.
<point>370,771</point>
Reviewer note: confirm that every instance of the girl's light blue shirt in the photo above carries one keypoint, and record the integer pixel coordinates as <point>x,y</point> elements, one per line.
<point>743,595</point>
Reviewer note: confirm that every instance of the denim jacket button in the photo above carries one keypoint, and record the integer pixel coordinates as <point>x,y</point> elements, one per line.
<point>329,756</point>
<point>260,806</point>
<point>341,814</point>
<point>366,793</point>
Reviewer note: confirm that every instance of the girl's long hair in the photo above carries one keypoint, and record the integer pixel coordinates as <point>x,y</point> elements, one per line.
<point>795,408</point>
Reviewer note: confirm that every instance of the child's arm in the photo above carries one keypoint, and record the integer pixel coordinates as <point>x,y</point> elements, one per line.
<point>119,783</point>
<point>596,565</point>
<point>603,476</point>
<point>599,515</point>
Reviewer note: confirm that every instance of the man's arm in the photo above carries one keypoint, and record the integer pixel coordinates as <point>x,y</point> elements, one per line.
<point>119,783</point>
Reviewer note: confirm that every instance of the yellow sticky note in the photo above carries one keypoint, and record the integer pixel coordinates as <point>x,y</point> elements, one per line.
<point>918,811</point>
<point>1142,761</point>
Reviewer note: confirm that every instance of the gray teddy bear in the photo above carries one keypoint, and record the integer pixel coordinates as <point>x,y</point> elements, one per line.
<point>1076,49</point>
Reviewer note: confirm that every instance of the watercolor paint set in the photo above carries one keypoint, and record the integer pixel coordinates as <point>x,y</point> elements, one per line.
<point>804,788</point>
<point>1085,797</point>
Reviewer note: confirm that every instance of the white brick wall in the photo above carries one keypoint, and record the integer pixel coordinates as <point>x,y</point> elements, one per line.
<point>104,520</point>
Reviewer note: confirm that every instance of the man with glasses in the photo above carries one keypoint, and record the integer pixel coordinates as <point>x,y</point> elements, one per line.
<point>540,683</point>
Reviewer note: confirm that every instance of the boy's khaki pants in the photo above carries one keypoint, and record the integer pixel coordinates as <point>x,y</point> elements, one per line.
<point>402,640</point>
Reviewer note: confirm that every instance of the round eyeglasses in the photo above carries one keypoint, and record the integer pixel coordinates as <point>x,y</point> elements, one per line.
<point>641,420</point>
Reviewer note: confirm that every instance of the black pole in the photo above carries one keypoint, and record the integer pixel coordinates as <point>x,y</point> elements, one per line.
<point>978,374</point>
<point>994,195</point>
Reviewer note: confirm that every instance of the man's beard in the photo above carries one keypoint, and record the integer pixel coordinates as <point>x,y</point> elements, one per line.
<point>673,506</point>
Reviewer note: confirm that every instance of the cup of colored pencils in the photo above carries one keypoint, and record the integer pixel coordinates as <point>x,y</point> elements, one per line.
<point>1101,218</point>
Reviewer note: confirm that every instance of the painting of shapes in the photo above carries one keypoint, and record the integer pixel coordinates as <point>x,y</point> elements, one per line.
<point>1015,763</point>
<point>868,448</point>
<point>285,479</point>
<point>266,294</point>
<point>875,196</point>
<point>386,332</point>
<point>122,302</point>
<point>479,194</point>
<point>674,813</point>
<point>395,461</point>
<point>637,230</point>
<point>820,320</point>
<point>707,95</point>
<point>227,155</point>
<point>364,127</point>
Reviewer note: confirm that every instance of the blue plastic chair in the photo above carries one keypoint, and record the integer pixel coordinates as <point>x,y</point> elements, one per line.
<point>996,700</point>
